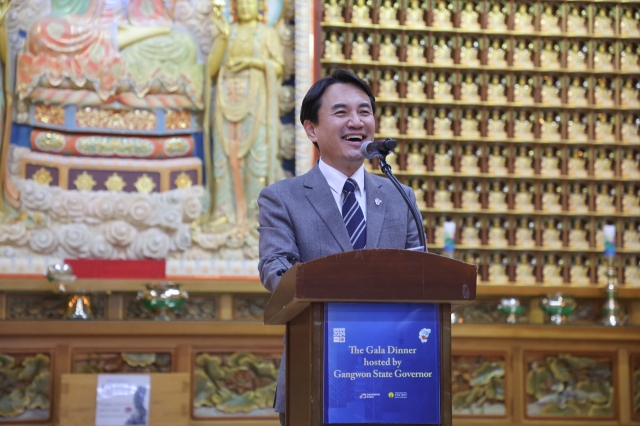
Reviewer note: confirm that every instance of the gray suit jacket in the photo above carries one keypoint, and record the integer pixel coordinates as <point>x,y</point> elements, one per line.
<point>300,221</point>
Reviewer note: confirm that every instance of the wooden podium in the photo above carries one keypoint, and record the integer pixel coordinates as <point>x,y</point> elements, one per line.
<point>374,275</point>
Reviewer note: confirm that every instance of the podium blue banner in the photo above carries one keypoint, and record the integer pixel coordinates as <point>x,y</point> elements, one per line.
<point>382,363</point>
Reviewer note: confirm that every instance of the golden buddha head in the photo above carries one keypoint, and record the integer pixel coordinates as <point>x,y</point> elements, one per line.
<point>442,6</point>
<point>360,38</point>
<point>469,187</point>
<point>496,150</point>
<point>576,82</point>
<point>442,149</point>
<point>388,111</point>
<point>495,187</point>
<point>468,114</point>
<point>523,259</point>
<point>575,11</point>
<point>441,42</point>
<point>247,10</point>
<point>387,39</point>
<point>602,13</point>
<point>469,7</point>
<point>550,188</point>
<point>495,115</point>
<point>415,41</point>
<point>495,79</point>
<point>442,114</point>
<point>548,9</point>
<point>469,220</point>
<point>333,37</point>
<point>496,259</point>
<point>415,77</point>
<point>415,112</point>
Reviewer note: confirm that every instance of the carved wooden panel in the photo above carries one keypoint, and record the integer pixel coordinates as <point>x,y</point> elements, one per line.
<point>478,384</point>
<point>122,362</point>
<point>249,308</point>
<point>25,387</point>
<point>197,307</point>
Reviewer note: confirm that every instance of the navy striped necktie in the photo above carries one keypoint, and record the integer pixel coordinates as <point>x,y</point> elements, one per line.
<point>353,216</point>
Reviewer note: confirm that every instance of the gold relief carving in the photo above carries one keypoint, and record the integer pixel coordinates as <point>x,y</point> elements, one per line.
<point>477,385</point>
<point>49,114</point>
<point>42,176</point>
<point>85,182</point>
<point>137,119</point>
<point>123,362</point>
<point>107,146</point>
<point>183,181</point>
<point>50,141</point>
<point>176,146</point>
<point>144,184</point>
<point>115,183</point>
<point>26,386</point>
<point>176,120</point>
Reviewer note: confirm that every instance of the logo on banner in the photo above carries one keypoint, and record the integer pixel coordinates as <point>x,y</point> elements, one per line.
<point>339,335</point>
<point>368,395</point>
<point>423,335</point>
<point>401,395</point>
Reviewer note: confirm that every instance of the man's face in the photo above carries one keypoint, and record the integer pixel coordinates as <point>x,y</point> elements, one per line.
<point>345,121</point>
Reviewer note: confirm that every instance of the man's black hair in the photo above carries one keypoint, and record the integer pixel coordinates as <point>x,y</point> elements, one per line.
<point>313,99</point>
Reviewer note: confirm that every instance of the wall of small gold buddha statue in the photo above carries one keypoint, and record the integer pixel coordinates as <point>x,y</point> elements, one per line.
<point>518,120</point>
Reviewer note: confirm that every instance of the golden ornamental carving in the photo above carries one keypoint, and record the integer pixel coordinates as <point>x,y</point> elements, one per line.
<point>178,120</point>
<point>144,184</point>
<point>50,141</point>
<point>49,114</point>
<point>176,146</point>
<point>183,181</point>
<point>115,183</point>
<point>85,182</point>
<point>108,146</point>
<point>136,119</point>
<point>42,176</point>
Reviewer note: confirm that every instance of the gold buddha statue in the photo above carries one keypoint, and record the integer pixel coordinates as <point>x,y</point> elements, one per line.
<point>496,20</point>
<point>333,12</point>
<point>442,197</point>
<point>577,129</point>
<point>549,22</point>
<point>496,91</point>
<point>603,59</point>
<point>552,272</point>
<point>415,159</point>
<point>392,160</point>
<point>605,201</point>
<point>388,86</point>
<point>523,21</point>
<point>469,126</point>
<point>333,48</point>
<point>630,130</point>
<point>497,198</point>
<point>525,272</point>
<point>418,189</point>
<point>629,95</point>
<point>469,54</point>
<point>470,233</point>
<point>632,273</point>
<point>442,53</point>
<point>442,125</point>
<point>604,129</point>
<point>551,202</point>
<point>438,232</point>
<point>523,163</point>
<point>579,273</point>
<point>550,163</point>
<point>442,89</point>
<point>441,16</point>
<point>577,164</point>
<point>550,56</point>
<point>602,165</point>
<point>414,17</point>
<point>469,18</point>
<point>577,93</point>
<point>631,237</point>
<point>523,91</point>
<point>577,21</point>
<point>415,52</point>
<point>576,58</point>
<point>551,93</point>
<point>550,128</point>
<point>523,201</point>
<point>470,197</point>
<point>469,91</point>
<point>496,128</point>
<point>629,60</point>
<point>360,49</point>
<point>603,24</point>
<point>388,14</point>
<point>578,200</point>
<point>469,161</point>
<point>389,122</point>
<point>497,234</point>
<point>523,128</point>
<point>442,160</point>
<point>497,162</point>
<point>415,123</point>
<point>578,236</point>
<point>631,201</point>
<point>551,236</point>
<point>497,271</point>
<point>522,57</point>
<point>524,234</point>
<point>603,95</point>
<point>601,272</point>
<point>388,50</point>
<point>629,24</point>
<point>496,56</point>
<point>360,13</point>
<point>415,87</point>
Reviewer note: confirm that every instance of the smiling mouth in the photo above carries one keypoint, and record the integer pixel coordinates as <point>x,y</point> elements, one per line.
<point>354,137</point>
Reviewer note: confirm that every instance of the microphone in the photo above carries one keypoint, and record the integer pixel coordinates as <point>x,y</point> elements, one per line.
<point>379,149</point>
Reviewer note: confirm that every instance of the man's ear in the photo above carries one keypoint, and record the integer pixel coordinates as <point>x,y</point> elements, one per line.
<point>310,128</point>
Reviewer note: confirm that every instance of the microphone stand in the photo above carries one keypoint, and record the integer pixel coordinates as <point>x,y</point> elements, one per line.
<point>386,169</point>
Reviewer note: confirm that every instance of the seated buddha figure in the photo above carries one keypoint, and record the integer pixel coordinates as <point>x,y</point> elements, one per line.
<point>629,23</point>
<point>392,160</point>
<point>602,23</point>
<point>469,54</point>
<point>360,13</point>
<point>523,21</point>
<point>496,126</point>
<point>603,59</point>
<point>525,272</point>
<point>442,160</point>
<point>414,17</point>
<point>577,93</point>
<point>605,200</point>
<point>523,201</point>
<point>551,202</point>
<point>388,14</point>
<point>442,197</point>
<point>389,122</point>
<point>630,130</point>
<point>388,50</point>
<point>523,91</point>
<point>523,164</point>
<point>497,271</point>
<point>442,53</point>
<point>496,20</point>
<point>415,159</point>
<point>388,86</point>
<point>469,18</point>
<point>469,125</point>
<point>469,161</point>
<point>577,21</point>
<point>603,95</point>
<point>497,234</point>
<point>550,128</point>
<point>496,90</point>
<point>629,166</point>
<point>441,16</point>
<point>415,52</point>
<point>551,92</point>
<point>523,127</point>
<point>333,48</point>
<point>631,237</point>
<point>550,56</point>
<point>442,89</point>
<point>415,87</point>
<point>522,57</point>
<point>578,200</point>
<point>632,272</point>
<point>578,236</point>
<point>631,201</point>
<point>525,237</point>
<point>552,272</point>
<point>442,125</point>
<point>360,49</point>
<point>550,163</point>
<point>629,59</point>
<point>496,56</point>
<point>577,129</point>
<point>629,95</point>
<point>333,12</point>
<point>497,198</point>
<point>603,131</point>
<point>551,236</point>
<point>549,21</point>
<point>418,189</point>
<point>470,233</point>
<point>469,91</point>
<point>497,162</point>
<point>471,197</point>
<point>579,273</point>
<point>415,123</point>
<point>438,231</point>
<point>602,165</point>
<point>577,57</point>
<point>577,164</point>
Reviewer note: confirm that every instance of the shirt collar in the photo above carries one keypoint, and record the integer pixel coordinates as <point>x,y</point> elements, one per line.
<point>336,179</point>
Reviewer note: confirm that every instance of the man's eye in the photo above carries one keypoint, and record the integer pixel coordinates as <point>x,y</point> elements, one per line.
<point>365,112</point>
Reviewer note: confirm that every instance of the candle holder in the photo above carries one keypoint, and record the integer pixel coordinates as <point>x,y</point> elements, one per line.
<point>163,299</point>
<point>559,308</point>
<point>78,304</point>
<point>611,313</point>
<point>512,308</point>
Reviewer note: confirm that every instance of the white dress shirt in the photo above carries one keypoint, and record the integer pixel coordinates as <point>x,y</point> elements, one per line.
<point>336,179</point>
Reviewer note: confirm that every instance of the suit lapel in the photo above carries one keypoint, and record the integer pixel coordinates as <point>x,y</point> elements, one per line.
<point>319,195</point>
<point>375,213</point>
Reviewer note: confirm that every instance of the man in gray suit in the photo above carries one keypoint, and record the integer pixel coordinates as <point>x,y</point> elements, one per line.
<point>337,206</point>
